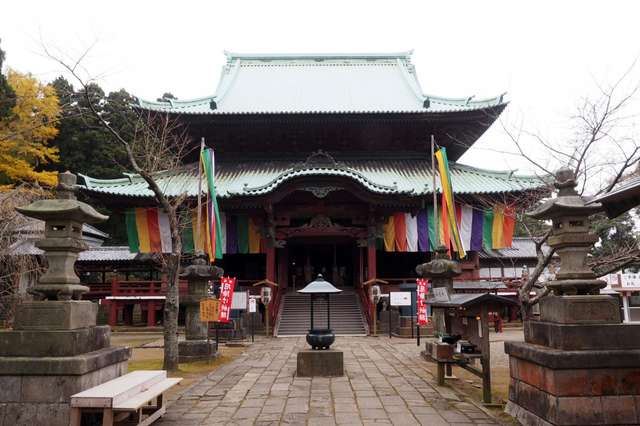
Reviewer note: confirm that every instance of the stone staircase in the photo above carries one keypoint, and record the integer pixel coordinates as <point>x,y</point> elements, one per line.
<point>346,315</point>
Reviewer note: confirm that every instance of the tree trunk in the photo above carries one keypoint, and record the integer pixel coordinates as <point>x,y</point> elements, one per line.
<point>171,309</point>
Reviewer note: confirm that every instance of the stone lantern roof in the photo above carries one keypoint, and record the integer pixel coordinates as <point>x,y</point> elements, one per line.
<point>65,206</point>
<point>567,203</point>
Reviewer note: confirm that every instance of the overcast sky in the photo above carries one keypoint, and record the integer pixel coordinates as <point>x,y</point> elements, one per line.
<point>545,54</point>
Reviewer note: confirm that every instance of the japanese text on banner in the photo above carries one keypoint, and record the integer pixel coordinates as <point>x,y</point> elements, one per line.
<point>421,290</point>
<point>227,284</point>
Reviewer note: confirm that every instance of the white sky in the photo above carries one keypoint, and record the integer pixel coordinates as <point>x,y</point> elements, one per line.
<point>545,54</point>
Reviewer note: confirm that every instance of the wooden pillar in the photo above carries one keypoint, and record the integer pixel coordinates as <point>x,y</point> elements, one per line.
<point>486,355</point>
<point>113,313</point>
<point>151,314</point>
<point>361,278</point>
<point>371,261</point>
<point>283,267</point>
<point>271,263</point>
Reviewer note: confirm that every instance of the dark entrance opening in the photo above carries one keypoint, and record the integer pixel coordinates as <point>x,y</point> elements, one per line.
<point>335,258</point>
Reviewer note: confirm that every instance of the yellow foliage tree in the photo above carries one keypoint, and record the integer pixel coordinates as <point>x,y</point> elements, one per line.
<point>25,133</point>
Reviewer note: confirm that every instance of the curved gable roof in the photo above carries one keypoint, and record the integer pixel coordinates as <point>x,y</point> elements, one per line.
<point>319,83</point>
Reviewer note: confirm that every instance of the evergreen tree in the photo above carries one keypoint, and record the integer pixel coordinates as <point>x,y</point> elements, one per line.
<point>615,235</point>
<point>167,96</point>
<point>7,95</point>
<point>85,147</point>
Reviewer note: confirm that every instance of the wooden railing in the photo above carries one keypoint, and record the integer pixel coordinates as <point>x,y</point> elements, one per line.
<point>366,305</point>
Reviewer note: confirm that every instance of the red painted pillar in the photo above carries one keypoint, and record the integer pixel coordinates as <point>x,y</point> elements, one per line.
<point>113,313</point>
<point>371,261</point>
<point>151,314</point>
<point>271,264</point>
<point>283,268</point>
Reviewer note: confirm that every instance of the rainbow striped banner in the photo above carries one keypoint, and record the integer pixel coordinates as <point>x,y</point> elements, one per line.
<point>488,228</point>
<point>214,229</point>
<point>450,223</point>
<point>148,230</point>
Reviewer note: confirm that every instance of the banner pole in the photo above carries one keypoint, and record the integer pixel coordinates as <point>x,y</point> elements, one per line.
<point>435,192</point>
<point>209,344</point>
<point>197,237</point>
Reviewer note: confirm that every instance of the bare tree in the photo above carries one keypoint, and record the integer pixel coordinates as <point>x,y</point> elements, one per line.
<point>155,144</point>
<point>18,266</point>
<point>604,150</point>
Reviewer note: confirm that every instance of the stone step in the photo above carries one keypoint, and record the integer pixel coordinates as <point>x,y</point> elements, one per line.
<point>346,317</point>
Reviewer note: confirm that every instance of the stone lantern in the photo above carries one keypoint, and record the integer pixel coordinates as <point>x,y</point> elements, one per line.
<point>55,348</point>
<point>441,271</point>
<point>63,218</point>
<point>198,274</point>
<point>575,288</point>
<point>578,363</point>
<point>570,236</point>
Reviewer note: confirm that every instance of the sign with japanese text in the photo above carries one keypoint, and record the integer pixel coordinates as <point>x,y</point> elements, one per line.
<point>209,310</point>
<point>239,300</point>
<point>400,298</point>
<point>227,284</point>
<point>252,305</point>
<point>441,293</point>
<point>421,292</point>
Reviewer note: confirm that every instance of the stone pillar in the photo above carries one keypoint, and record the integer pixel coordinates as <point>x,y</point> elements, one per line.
<point>625,307</point>
<point>440,271</point>
<point>578,364</point>
<point>55,348</point>
<point>195,346</point>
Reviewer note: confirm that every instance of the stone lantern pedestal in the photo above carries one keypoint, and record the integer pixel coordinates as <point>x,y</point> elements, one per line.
<point>55,348</point>
<point>195,346</point>
<point>440,271</point>
<point>578,365</point>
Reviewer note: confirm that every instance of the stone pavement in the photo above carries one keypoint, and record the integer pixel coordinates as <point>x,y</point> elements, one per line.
<point>385,382</point>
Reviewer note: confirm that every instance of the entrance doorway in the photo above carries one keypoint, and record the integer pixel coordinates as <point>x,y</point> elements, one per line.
<point>335,259</point>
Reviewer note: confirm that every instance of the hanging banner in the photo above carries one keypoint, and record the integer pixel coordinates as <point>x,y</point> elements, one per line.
<point>227,284</point>
<point>421,292</point>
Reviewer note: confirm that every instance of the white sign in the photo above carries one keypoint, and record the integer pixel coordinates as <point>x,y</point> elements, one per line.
<point>252,305</point>
<point>440,293</point>
<point>400,298</point>
<point>239,300</point>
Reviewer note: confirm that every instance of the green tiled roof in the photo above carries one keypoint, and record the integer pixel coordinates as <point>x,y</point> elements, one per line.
<point>410,177</point>
<point>327,83</point>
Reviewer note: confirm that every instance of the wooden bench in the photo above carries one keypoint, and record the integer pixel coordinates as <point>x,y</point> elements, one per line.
<point>135,398</point>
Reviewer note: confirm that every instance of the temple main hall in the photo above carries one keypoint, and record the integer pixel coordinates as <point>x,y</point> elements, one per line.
<point>323,165</point>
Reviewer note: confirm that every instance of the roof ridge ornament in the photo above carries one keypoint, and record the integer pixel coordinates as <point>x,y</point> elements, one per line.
<point>321,158</point>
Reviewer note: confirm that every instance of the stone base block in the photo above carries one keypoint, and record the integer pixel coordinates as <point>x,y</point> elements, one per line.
<point>329,363</point>
<point>583,336</point>
<point>558,387</point>
<point>196,350</point>
<point>37,343</point>
<point>55,315</point>
<point>40,395</point>
<point>62,366</point>
<point>596,309</point>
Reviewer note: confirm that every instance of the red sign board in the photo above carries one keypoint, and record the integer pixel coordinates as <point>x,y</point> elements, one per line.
<point>422,286</point>
<point>227,284</point>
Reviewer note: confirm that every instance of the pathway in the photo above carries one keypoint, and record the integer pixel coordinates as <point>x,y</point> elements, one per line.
<point>385,382</point>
